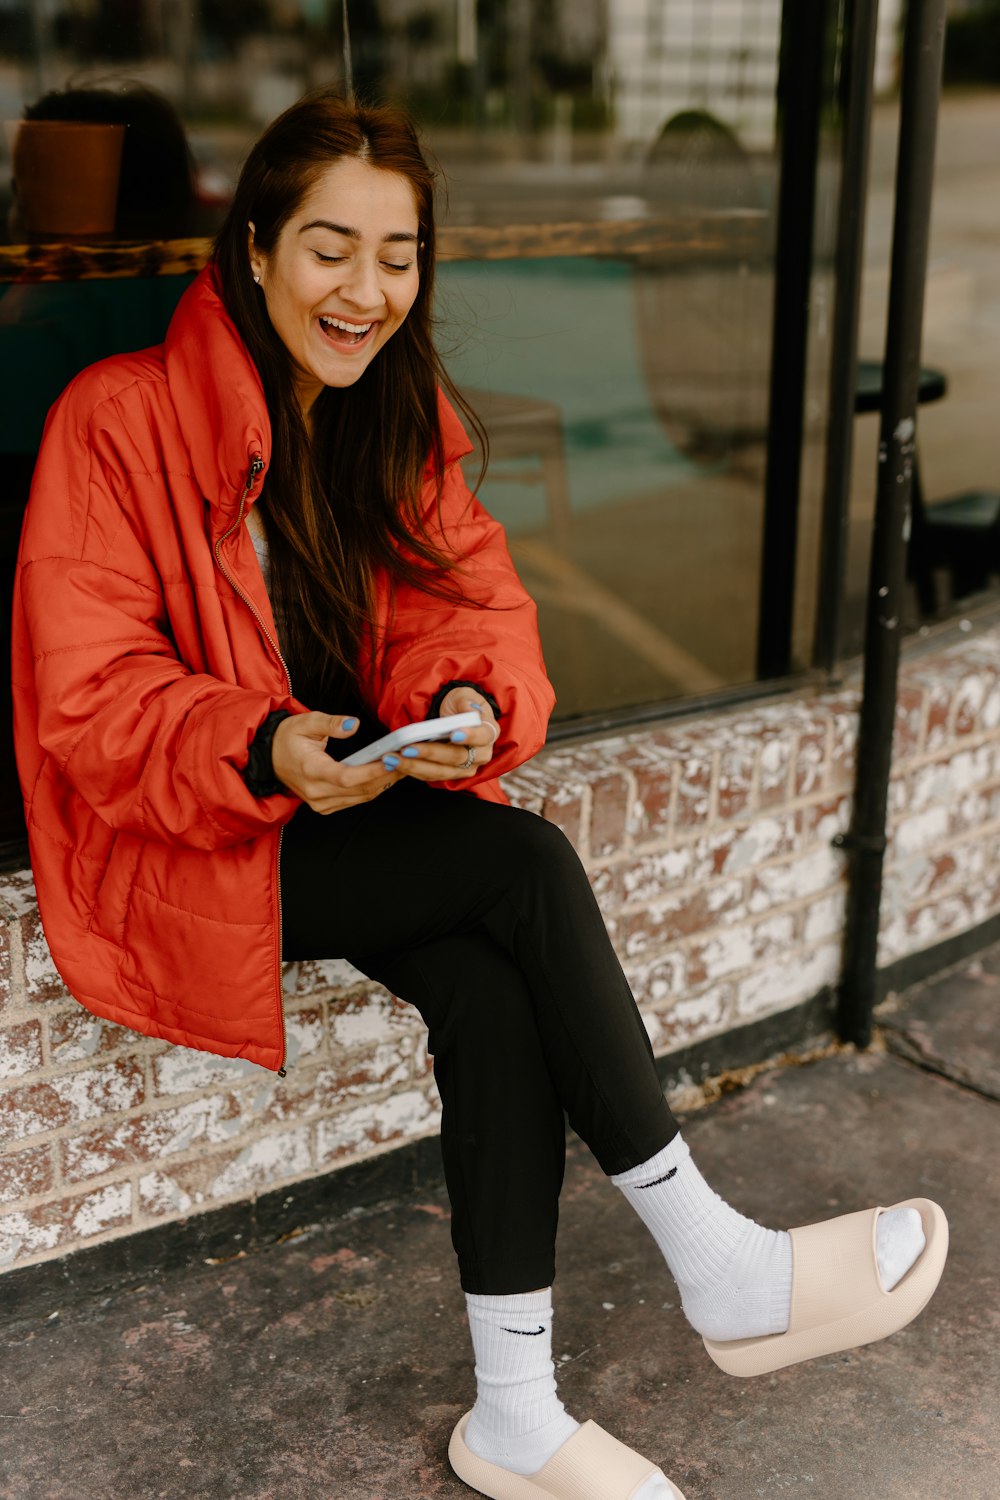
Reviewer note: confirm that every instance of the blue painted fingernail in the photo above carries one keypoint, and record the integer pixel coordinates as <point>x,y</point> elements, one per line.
<point>459,734</point>
<point>390,762</point>
<point>411,752</point>
<point>350,723</point>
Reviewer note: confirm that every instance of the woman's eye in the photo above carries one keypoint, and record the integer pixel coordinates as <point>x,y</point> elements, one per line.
<point>328,260</point>
<point>392,265</point>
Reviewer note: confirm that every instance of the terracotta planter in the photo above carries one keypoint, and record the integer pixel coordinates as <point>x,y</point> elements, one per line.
<point>66,174</point>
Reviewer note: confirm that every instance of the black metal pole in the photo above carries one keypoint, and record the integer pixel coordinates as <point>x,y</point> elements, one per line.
<point>923,50</point>
<point>800,100</point>
<point>861,22</point>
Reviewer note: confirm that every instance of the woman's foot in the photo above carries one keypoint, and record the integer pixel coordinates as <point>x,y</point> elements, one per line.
<point>735,1278</point>
<point>518,1421</point>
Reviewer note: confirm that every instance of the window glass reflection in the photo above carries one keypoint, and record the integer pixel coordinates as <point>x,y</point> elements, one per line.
<point>611,165</point>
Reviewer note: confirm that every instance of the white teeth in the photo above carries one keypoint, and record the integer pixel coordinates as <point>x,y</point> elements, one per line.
<point>358,328</point>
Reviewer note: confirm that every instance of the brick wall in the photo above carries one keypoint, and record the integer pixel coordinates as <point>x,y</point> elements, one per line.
<point>709,845</point>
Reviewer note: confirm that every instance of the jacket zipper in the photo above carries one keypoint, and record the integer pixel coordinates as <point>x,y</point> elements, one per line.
<point>256,467</point>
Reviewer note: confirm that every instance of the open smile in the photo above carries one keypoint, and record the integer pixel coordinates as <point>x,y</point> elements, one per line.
<point>343,334</point>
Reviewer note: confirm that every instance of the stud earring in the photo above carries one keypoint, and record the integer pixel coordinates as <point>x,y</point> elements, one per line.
<point>257,280</point>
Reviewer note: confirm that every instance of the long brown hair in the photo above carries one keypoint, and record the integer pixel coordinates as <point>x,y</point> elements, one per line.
<point>341,505</point>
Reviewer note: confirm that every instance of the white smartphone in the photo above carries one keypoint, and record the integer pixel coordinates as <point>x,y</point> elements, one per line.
<point>412,734</point>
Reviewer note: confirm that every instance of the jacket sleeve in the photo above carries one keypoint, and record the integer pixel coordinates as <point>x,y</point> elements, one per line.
<point>492,639</point>
<point>155,749</point>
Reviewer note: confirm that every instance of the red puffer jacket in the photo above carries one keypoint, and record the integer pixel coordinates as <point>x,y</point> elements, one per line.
<point>145,660</point>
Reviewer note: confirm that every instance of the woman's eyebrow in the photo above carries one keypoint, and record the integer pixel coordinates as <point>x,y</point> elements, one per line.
<point>397,237</point>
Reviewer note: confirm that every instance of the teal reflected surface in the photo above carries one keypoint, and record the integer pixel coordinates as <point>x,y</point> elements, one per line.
<point>561,330</point>
<point>50,331</point>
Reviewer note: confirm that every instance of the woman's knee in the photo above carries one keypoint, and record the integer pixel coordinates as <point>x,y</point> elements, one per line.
<point>471,996</point>
<point>542,845</point>
<point>473,1020</point>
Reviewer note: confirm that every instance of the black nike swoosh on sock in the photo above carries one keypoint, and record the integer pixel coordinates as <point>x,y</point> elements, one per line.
<point>656,1181</point>
<point>529,1333</point>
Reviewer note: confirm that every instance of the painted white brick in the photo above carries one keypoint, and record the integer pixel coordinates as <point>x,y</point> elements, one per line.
<point>972,693</point>
<point>825,917</point>
<point>699,1014</point>
<point>273,1158</point>
<point>727,953</point>
<point>41,974</point>
<point>774,934</point>
<point>833,822</point>
<point>937,920</point>
<point>811,873</point>
<point>666,977</point>
<point>17,893</point>
<point>161,1196</point>
<point>689,787</point>
<point>935,784</point>
<point>377,1021</point>
<point>323,973</point>
<point>971,812</point>
<point>401,1118</point>
<point>974,860</point>
<point>382,1068</point>
<point>85,1040</point>
<point>645,880</point>
<point>797,977</point>
<point>98,1091</point>
<point>101,1209</point>
<point>774,755</point>
<point>184,1071</point>
<point>764,838</point>
<point>721,899</point>
<point>989,714</point>
<point>920,831</point>
<point>303,1036</point>
<point>20,1237</point>
<point>167,1132</point>
<point>20,1052</point>
<point>893,938</point>
<point>654,1028</point>
<point>812,755</point>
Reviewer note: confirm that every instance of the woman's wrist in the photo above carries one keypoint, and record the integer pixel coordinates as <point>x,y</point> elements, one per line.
<point>258,773</point>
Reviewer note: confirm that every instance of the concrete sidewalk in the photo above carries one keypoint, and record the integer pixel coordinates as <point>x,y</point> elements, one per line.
<point>333,1366</point>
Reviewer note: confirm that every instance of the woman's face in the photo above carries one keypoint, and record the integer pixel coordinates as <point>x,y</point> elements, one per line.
<point>343,274</point>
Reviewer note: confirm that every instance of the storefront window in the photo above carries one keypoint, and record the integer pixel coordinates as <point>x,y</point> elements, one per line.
<point>610,173</point>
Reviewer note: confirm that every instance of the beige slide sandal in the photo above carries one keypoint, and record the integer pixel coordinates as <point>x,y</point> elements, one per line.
<point>592,1465</point>
<point>838,1301</point>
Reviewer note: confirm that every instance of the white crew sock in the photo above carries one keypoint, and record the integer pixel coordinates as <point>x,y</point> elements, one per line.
<point>735,1278</point>
<point>518,1420</point>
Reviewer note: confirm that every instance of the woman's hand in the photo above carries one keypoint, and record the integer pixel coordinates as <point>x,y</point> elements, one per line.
<point>459,758</point>
<point>300,761</point>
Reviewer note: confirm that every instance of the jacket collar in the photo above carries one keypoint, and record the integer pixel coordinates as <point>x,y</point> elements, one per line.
<point>217,393</point>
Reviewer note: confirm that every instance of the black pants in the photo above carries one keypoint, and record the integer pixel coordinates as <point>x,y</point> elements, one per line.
<point>483,918</point>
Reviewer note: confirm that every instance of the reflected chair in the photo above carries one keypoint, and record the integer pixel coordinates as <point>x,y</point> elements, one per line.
<point>960,533</point>
<point>704,328</point>
<point>526,431</point>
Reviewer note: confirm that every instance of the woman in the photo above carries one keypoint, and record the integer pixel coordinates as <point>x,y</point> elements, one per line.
<point>277,490</point>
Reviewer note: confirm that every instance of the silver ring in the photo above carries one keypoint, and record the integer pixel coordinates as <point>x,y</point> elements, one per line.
<point>470,759</point>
